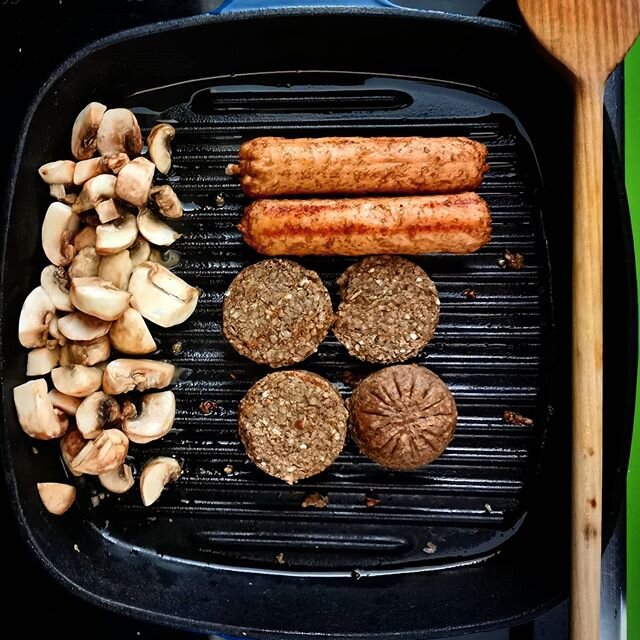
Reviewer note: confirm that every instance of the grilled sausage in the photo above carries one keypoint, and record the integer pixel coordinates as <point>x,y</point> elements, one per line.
<point>456,223</point>
<point>351,166</point>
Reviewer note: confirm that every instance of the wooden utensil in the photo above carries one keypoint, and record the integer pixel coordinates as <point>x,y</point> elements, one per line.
<point>589,37</point>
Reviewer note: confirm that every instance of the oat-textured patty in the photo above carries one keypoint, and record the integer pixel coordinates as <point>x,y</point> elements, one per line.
<point>293,424</point>
<point>276,312</point>
<point>403,417</point>
<point>388,311</point>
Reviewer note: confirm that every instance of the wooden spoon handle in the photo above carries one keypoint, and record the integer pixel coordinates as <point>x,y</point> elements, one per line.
<point>587,362</point>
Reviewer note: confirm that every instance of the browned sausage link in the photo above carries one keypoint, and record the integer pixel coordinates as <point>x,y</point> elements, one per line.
<point>351,166</point>
<point>457,223</point>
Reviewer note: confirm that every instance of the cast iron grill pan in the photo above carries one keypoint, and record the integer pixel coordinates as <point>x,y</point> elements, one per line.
<point>489,350</point>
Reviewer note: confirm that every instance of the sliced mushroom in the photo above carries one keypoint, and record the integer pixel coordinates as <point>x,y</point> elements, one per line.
<point>154,230</point>
<point>56,497</point>
<point>35,316</point>
<point>58,229</point>
<point>55,282</point>
<point>139,251</point>
<point>54,331</point>
<point>161,296</point>
<point>85,238</point>
<point>125,374</point>
<point>98,298</point>
<point>95,191</point>
<point>118,480</point>
<point>98,411</point>
<point>85,129</point>
<point>36,414</point>
<point>88,353</point>
<point>154,420</point>
<point>119,133</point>
<point>70,446</point>
<point>58,172</point>
<point>134,181</point>
<point>41,361</point>
<point>116,269</point>
<point>108,211</point>
<point>80,326</point>
<point>130,334</point>
<point>108,451</point>
<point>87,169</point>
<point>77,380</point>
<point>85,264</point>
<point>115,161</point>
<point>156,474</point>
<point>159,143</point>
<point>63,402</point>
<point>167,200</point>
<point>116,236</point>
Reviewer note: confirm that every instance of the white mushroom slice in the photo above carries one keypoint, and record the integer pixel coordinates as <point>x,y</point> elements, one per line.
<point>58,172</point>
<point>54,331</point>
<point>88,353</point>
<point>156,474</point>
<point>154,230</point>
<point>55,282</point>
<point>159,143</point>
<point>134,181</point>
<point>70,446</point>
<point>116,269</point>
<point>95,191</point>
<point>116,236</point>
<point>108,211</point>
<point>130,334</point>
<point>118,480</point>
<point>35,316</point>
<point>87,169</point>
<point>97,412</point>
<point>108,451</point>
<point>154,420</point>
<point>85,238</point>
<point>98,298</point>
<point>56,497</point>
<point>139,252</point>
<point>119,133</point>
<point>169,204</point>
<point>59,226</point>
<point>63,402</point>
<point>125,374</point>
<point>41,361</point>
<point>161,296</point>
<point>77,380</point>
<point>85,129</point>
<point>36,414</point>
<point>80,326</point>
<point>85,264</point>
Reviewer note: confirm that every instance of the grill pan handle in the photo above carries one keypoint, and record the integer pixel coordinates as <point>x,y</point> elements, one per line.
<point>464,7</point>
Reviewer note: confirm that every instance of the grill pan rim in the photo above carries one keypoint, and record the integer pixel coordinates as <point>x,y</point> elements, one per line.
<point>10,475</point>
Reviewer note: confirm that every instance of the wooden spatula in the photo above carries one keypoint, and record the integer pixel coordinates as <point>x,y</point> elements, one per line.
<point>589,37</point>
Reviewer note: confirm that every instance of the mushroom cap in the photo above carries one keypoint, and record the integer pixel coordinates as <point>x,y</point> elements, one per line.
<point>116,236</point>
<point>119,132</point>
<point>127,374</point>
<point>40,361</point>
<point>161,296</point>
<point>35,316</point>
<point>65,403</point>
<point>36,413</point>
<point>85,129</point>
<point>94,191</point>
<point>154,420</point>
<point>130,334</point>
<point>116,268</point>
<point>155,230</point>
<point>58,228</point>
<point>56,497</point>
<point>85,264</point>
<point>118,480</point>
<point>167,201</point>
<point>59,172</point>
<point>96,412</point>
<point>80,326</point>
<point>99,298</point>
<point>107,451</point>
<point>155,476</point>
<point>55,282</point>
<point>77,380</point>
<point>86,352</point>
<point>134,181</point>
<point>159,144</point>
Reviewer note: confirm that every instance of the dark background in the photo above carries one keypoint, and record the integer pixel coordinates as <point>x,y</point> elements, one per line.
<point>35,37</point>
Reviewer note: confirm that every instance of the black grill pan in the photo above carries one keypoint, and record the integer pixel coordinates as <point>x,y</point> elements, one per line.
<point>474,539</point>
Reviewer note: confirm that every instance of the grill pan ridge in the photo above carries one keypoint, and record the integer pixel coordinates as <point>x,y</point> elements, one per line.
<point>495,506</point>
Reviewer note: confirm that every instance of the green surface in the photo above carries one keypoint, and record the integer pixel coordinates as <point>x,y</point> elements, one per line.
<point>632,170</point>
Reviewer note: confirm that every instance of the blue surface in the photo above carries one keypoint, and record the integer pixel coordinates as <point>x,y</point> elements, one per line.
<point>251,5</point>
